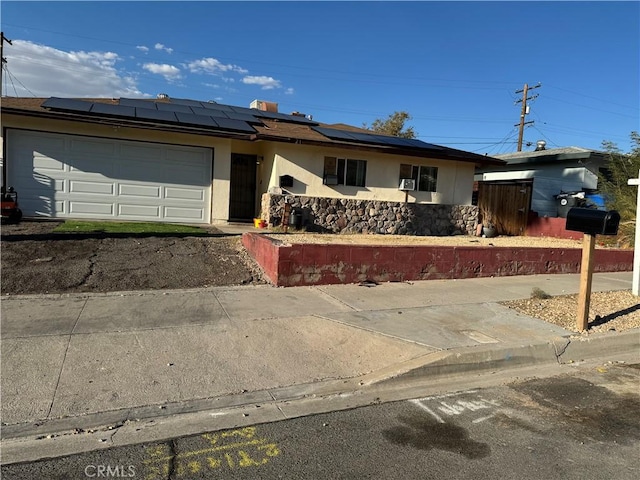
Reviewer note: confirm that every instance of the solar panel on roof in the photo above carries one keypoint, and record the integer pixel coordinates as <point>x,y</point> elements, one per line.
<point>421,144</point>
<point>153,114</point>
<point>249,111</point>
<point>192,119</point>
<point>115,110</point>
<point>236,125</point>
<point>186,101</point>
<point>334,134</point>
<point>245,117</point>
<point>137,102</point>
<point>219,113</point>
<point>217,106</point>
<point>205,111</point>
<point>172,107</point>
<point>372,138</point>
<point>69,104</point>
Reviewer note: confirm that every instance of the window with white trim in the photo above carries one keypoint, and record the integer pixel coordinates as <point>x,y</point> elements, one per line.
<point>426,178</point>
<point>345,171</point>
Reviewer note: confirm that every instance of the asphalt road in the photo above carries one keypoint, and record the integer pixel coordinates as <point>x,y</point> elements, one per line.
<point>583,425</point>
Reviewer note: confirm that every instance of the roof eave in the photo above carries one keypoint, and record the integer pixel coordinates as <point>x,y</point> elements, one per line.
<point>476,159</point>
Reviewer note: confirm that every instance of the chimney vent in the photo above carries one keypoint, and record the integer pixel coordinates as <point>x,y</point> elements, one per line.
<point>540,145</point>
<point>264,106</point>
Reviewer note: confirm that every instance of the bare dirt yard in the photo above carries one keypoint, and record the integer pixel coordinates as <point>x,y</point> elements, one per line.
<point>35,260</point>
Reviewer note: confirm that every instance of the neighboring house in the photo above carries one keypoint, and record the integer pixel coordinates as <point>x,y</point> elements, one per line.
<point>176,160</point>
<point>552,171</point>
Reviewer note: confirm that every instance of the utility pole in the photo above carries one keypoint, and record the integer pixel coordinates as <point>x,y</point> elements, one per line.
<point>2,59</point>
<point>524,111</point>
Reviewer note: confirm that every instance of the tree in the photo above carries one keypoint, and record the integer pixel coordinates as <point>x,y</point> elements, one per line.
<point>620,196</point>
<point>393,125</point>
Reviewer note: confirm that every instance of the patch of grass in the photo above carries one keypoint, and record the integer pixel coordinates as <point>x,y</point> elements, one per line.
<point>539,294</point>
<point>77,226</point>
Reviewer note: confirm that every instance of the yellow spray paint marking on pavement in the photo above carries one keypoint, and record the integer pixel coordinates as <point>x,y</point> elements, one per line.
<point>234,449</point>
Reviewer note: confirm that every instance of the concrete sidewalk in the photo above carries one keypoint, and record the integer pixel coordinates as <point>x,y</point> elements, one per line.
<point>77,355</point>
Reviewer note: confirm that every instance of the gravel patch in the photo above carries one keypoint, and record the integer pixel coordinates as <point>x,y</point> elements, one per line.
<point>451,241</point>
<point>608,311</point>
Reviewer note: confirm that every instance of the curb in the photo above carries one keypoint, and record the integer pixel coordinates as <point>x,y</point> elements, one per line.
<point>478,359</point>
<point>583,347</point>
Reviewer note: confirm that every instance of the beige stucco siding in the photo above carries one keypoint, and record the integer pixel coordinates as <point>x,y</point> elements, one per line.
<point>306,165</point>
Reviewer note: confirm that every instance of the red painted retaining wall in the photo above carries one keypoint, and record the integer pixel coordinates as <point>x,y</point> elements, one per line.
<point>318,264</point>
<point>550,227</point>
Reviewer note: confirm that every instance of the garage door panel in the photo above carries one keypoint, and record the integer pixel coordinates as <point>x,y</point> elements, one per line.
<point>180,214</point>
<point>136,171</point>
<point>44,143</point>
<point>143,191</point>
<point>79,177</point>
<point>90,208</point>
<point>186,175</point>
<point>139,211</point>
<point>98,147</point>
<point>96,165</point>
<point>91,188</point>
<point>184,157</point>
<point>44,163</point>
<point>141,152</point>
<point>42,206</point>
<point>174,193</point>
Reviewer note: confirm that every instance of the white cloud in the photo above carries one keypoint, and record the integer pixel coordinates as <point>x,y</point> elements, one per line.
<point>289,91</point>
<point>45,71</point>
<point>213,66</point>
<point>169,72</point>
<point>267,83</point>
<point>142,48</point>
<point>159,46</point>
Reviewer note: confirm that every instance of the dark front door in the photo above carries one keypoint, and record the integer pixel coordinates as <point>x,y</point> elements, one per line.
<point>242,195</point>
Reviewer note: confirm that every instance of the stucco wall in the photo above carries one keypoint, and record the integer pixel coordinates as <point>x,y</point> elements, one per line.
<point>306,165</point>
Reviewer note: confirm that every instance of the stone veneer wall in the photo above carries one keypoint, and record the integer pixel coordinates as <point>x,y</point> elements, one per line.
<point>350,215</point>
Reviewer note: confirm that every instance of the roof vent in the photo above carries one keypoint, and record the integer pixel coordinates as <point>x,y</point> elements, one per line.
<point>264,106</point>
<point>540,145</point>
<point>162,96</point>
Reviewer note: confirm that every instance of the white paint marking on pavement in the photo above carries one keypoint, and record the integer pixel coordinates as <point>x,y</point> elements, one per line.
<point>448,395</point>
<point>217,414</point>
<point>427,409</point>
<point>482,419</point>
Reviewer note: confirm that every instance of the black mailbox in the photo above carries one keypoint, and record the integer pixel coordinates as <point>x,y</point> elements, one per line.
<point>286,181</point>
<point>593,222</point>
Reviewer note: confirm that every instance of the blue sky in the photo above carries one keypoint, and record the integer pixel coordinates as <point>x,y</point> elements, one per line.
<point>454,66</point>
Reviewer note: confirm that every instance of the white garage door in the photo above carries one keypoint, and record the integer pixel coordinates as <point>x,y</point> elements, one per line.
<point>68,176</point>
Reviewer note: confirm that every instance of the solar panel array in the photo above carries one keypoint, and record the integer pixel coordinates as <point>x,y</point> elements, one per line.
<point>178,111</point>
<point>374,139</point>
<point>216,116</point>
